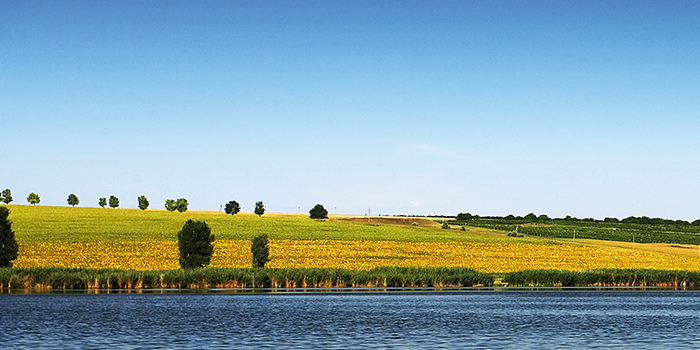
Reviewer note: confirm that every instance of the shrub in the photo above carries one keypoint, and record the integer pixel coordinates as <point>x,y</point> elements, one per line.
<point>170,204</point>
<point>181,205</point>
<point>6,196</point>
<point>113,202</point>
<point>143,202</point>
<point>261,251</point>
<point>33,198</point>
<point>445,226</point>
<point>102,202</point>
<point>318,212</point>
<point>8,243</point>
<point>73,200</point>
<point>259,208</point>
<point>232,208</point>
<point>195,244</point>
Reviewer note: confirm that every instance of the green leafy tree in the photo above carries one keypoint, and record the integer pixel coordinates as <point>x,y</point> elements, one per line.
<point>464,217</point>
<point>113,202</point>
<point>259,208</point>
<point>73,200</point>
<point>8,243</point>
<point>170,205</point>
<point>102,202</point>
<point>6,196</point>
<point>143,202</point>
<point>318,212</point>
<point>261,251</point>
<point>33,198</point>
<point>232,208</point>
<point>194,242</point>
<point>181,205</point>
<point>530,217</point>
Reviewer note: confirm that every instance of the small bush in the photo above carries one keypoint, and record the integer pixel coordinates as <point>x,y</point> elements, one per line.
<point>232,208</point>
<point>318,212</point>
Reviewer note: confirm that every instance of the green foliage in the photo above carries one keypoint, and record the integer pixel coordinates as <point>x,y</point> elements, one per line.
<point>445,226</point>
<point>530,217</point>
<point>73,200</point>
<point>6,196</point>
<point>8,243</point>
<point>33,198</point>
<point>143,202</point>
<point>259,208</point>
<point>194,242</point>
<point>603,277</point>
<point>170,204</point>
<point>463,216</point>
<point>107,279</point>
<point>232,208</point>
<point>261,251</point>
<point>181,205</point>
<point>318,212</point>
<point>113,202</point>
<point>655,231</point>
<point>102,202</point>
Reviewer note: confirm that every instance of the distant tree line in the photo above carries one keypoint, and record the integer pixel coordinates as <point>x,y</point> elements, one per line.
<point>543,218</point>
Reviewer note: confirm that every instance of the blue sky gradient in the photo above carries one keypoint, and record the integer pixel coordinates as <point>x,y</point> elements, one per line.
<point>582,108</point>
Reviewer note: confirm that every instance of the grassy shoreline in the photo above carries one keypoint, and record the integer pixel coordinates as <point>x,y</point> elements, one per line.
<point>42,278</point>
<point>55,278</point>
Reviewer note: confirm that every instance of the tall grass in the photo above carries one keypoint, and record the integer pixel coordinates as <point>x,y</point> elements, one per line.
<point>603,277</point>
<point>107,279</point>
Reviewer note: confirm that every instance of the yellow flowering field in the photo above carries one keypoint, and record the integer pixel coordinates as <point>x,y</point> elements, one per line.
<point>353,255</point>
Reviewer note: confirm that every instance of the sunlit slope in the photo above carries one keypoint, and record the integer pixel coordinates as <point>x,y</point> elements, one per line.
<point>146,240</point>
<point>74,224</point>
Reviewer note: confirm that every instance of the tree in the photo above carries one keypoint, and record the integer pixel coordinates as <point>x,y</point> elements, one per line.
<point>113,202</point>
<point>194,242</point>
<point>261,251</point>
<point>102,202</point>
<point>232,208</point>
<point>259,208</point>
<point>8,243</point>
<point>6,196</point>
<point>318,212</point>
<point>73,200</point>
<point>464,217</point>
<point>33,198</point>
<point>143,202</point>
<point>170,205</point>
<point>181,205</point>
<point>530,217</point>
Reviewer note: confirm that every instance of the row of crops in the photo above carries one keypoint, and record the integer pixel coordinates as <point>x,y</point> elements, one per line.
<point>676,234</point>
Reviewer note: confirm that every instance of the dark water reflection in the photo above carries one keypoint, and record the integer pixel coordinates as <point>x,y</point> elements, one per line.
<point>540,319</point>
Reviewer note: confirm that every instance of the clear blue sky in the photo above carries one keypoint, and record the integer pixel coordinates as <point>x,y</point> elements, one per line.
<point>582,108</point>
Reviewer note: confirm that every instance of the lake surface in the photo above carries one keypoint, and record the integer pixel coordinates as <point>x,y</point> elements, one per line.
<point>390,320</point>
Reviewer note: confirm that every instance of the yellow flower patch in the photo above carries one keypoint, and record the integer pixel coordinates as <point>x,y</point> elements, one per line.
<point>353,255</point>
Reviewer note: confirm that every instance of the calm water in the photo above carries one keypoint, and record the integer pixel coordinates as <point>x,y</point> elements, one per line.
<point>539,319</point>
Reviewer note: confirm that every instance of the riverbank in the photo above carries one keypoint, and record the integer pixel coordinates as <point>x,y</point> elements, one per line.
<point>382,278</point>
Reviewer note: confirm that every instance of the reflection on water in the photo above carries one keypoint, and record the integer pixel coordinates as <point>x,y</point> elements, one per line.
<point>540,319</point>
